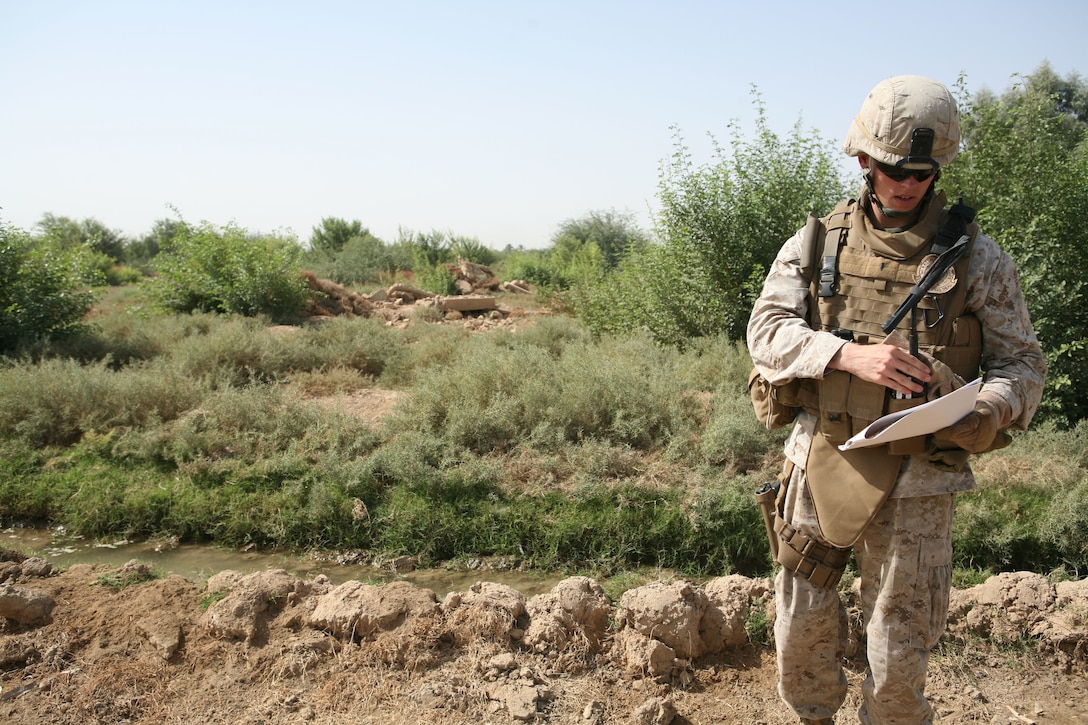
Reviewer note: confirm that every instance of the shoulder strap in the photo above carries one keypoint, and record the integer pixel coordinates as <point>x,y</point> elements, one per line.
<point>812,245</point>
<point>816,249</point>
<point>960,222</point>
<point>956,225</point>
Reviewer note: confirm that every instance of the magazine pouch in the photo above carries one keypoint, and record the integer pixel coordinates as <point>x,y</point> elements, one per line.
<point>906,446</point>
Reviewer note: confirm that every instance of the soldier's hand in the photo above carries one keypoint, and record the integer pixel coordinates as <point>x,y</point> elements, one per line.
<point>888,365</point>
<point>978,431</point>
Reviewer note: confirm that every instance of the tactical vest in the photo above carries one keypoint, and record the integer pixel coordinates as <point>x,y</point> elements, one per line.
<point>855,297</point>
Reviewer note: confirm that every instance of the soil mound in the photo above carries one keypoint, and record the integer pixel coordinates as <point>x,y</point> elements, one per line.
<point>102,645</point>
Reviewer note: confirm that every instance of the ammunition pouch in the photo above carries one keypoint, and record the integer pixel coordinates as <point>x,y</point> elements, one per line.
<point>846,405</point>
<point>820,564</point>
<point>775,405</point>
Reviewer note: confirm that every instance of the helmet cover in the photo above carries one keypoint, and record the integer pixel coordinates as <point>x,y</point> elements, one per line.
<point>891,114</point>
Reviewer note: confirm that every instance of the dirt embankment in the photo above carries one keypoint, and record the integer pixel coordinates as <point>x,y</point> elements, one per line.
<point>100,645</point>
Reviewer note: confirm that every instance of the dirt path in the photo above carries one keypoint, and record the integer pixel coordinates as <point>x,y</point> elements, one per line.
<point>276,649</point>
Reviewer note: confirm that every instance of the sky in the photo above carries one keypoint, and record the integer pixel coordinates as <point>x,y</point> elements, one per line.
<point>494,120</point>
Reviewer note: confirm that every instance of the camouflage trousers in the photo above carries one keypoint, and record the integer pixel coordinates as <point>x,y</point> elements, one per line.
<point>905,565</point>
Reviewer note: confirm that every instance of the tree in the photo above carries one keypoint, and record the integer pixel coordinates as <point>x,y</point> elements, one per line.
<point>69,234</point>
<point>472,249</point>
<point>613,233</point>
<point>1024,168</point>
<point>159,239</point>
<point>333,234</point>
<point>430,252</point>
<point>364,259</point>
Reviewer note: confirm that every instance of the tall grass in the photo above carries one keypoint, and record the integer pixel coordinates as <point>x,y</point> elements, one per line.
<point>545,445</point>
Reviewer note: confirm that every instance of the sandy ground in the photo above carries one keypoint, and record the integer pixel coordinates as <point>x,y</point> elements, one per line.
<point>150,652</point>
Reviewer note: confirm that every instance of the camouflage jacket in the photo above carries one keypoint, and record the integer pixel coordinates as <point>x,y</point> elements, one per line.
<point>783,347</point>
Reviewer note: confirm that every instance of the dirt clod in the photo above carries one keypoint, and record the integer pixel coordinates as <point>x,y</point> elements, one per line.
<point>272,648</point>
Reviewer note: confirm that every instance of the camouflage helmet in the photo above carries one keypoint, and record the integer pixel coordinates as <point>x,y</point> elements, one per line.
<point>890,127</point>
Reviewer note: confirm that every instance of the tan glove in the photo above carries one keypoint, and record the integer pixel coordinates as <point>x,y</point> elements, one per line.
<point>942,381</point>
<point>979,431</point>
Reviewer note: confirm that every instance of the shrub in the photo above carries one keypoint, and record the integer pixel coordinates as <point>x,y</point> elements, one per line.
<point>42,292</point>
<point>58,401</point>
<point>472,250</point>
<point>625,392</point>
<point>226,270</point>
<point>720,226</point>
<point>364,259</point>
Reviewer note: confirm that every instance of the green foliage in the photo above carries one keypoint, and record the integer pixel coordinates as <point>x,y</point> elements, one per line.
<point>561,273</point>
<point>582,254</point>
<point>624,392</point>
<point>615,235</point>
<point>58,401</point>
<point>1024,167</point>
<point>363,259</point>
<point>333,234</point>
<point>239,351</point>
<point>226,270</point>
<point>547,446</point>
<point>65,233</point>
<point>42,290</point>
<point>435,278</point>
<point>472,249</point>
<point>118,275</point>
<point>533,266</point>
<point>720,226</point>
<point>428,249</point>
<point>430,253</point>
<point>1028,512</point>
<point>758,625</point>
<point>140,252</point>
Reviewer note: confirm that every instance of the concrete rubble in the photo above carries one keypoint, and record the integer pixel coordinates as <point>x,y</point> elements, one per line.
<point>476,302</point>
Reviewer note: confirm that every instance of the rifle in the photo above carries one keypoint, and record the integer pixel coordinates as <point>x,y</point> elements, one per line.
<point>919,291</point>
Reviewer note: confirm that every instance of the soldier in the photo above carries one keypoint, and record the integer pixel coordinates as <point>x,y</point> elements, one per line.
<point>823,337</point>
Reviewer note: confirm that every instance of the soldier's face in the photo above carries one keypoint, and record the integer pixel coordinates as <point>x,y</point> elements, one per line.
<point>903,195</point>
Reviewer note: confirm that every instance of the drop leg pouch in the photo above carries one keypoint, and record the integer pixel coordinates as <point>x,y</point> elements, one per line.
<point>848,487</point>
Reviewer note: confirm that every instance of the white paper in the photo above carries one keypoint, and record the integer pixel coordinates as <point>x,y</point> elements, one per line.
<point>921,420</point>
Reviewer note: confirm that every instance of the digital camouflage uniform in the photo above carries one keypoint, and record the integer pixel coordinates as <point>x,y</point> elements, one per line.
<point>905,554</point>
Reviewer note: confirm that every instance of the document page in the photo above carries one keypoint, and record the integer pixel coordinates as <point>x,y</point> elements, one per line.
<point>926,418</point>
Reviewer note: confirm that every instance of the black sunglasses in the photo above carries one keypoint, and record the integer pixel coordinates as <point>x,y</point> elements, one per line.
<point>898,173</point>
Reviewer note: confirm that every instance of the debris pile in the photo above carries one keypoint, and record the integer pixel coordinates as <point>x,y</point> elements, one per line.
<point>476,304</point>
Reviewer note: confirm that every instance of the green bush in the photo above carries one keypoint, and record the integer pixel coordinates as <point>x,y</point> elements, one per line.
<point>473,250</point>
<point>42,291</point>
<point>720,226</point>
<point>119,275</point>
<point>208,269</point>
<point>364,260</point>
<point>58,401</point>
<point>622,391</point>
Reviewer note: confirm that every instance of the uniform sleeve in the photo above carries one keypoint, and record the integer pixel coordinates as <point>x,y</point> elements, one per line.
<point>1013,363</point>
<point>780,341</point>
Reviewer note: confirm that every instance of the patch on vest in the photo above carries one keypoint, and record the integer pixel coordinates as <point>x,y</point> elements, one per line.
<point>945,283</point>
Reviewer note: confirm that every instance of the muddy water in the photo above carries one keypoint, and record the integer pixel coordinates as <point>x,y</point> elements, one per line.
<point>197,562</point>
